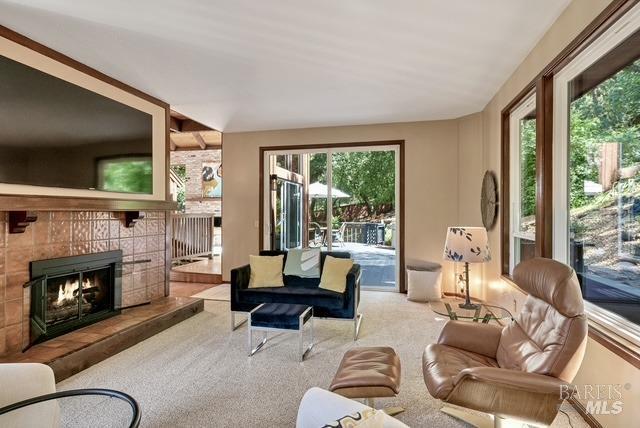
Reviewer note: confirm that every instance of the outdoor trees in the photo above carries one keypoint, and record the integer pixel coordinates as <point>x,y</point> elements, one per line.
<point>609,113</point>
<point>528,167</point>
<point>369,177</point>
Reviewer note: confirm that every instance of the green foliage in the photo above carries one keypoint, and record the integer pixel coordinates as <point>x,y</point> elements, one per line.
<point>528,166</point>
<point>131,176</point>
<point>608,113</point>
<point>181,172</point>
<point>318,168</point>
<point>369,177</point>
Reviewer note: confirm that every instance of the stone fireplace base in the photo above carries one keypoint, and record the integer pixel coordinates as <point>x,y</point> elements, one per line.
<point>73,352</point>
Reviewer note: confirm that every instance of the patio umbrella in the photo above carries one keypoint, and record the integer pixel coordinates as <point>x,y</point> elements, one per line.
<point>319,190</point>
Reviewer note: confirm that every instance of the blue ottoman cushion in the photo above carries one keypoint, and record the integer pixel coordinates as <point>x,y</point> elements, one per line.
<point>279,315</point>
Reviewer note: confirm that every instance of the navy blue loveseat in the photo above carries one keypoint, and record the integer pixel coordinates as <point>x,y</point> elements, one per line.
<point>305,291</point>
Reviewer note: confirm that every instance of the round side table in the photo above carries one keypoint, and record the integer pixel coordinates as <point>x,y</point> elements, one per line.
<point>485,313</point>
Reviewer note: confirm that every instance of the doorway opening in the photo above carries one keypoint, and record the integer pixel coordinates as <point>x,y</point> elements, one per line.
<point>196,185</point>
<point>337,198</point>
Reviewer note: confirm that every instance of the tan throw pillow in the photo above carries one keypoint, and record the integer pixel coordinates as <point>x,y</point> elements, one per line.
<point>266,271</point>
<point>334,274</point>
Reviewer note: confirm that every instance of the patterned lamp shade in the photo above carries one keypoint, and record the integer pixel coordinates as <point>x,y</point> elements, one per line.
<point>467,244</point>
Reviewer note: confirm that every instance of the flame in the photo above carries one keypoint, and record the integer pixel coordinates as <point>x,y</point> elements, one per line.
<point>67,292</point>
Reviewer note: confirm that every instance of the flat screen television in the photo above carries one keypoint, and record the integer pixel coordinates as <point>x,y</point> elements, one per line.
<point>57,134</point>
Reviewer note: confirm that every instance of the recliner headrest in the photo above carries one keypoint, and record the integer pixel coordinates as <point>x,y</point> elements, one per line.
<point>553,282</point>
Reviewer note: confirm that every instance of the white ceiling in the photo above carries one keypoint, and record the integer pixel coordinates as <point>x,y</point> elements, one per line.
<point>240,65</point>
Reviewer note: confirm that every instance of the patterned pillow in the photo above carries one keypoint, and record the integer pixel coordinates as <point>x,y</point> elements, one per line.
<point>304,263</point>
<point>369,418</point>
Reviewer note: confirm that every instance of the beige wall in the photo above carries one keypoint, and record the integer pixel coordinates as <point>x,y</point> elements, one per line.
<point>600,365</point>
<point>431,174</point>
<point>445,162</point>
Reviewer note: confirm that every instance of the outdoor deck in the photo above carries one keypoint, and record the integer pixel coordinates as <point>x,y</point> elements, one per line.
<point>378,264</point>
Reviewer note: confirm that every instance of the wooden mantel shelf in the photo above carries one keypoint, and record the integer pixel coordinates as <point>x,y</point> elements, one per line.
<point>54,203</point>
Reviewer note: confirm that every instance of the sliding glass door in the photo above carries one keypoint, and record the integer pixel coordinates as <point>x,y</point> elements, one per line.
<point>338,200</point>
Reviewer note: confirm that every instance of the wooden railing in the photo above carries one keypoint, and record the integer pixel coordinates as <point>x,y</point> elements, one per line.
<point>193,235</point>
<point>360,232</point>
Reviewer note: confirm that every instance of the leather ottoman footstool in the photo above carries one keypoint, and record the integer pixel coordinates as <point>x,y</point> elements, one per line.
<point>368,373</point>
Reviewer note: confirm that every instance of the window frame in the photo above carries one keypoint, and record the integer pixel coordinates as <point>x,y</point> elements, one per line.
<point>607,42</point>
<point>515,159</point>
<point>612,331</point>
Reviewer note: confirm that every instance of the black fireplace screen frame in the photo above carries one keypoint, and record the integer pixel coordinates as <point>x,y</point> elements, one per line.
<point>43,270</point>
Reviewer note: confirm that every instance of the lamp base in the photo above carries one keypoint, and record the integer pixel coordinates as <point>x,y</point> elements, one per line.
<point>471,306</point>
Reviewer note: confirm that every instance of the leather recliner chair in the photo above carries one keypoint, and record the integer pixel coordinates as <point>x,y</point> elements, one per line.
<point>522,371</point>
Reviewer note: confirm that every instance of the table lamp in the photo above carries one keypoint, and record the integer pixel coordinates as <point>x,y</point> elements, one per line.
<point>468,245</point>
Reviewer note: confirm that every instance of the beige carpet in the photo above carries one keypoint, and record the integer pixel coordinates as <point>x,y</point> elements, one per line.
<point>219,292</point>
<point>197,373</point>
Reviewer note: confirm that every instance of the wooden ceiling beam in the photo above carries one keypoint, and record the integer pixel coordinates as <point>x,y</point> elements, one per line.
<point>175,124</point>
<point>200,140</point>
<point>189,125</point>
<point>172,144</point>
<point>180,123</point>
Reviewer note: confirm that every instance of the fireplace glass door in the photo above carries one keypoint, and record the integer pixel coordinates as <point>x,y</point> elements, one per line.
<point>70,297</point>
<point>68,293</point>
<point>62,299</point>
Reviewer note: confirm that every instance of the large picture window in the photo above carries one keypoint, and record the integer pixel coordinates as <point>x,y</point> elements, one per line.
<point>597,173</point>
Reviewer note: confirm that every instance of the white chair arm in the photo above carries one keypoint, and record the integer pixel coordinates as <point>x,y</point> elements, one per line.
<point>319,407</point>
<point>21,382</point>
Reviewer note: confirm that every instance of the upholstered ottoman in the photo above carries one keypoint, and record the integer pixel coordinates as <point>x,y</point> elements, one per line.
<point>368,373</point>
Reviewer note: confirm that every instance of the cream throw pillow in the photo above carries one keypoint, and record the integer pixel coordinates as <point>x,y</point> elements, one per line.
<point>334,274</point>
<point>266,271</point>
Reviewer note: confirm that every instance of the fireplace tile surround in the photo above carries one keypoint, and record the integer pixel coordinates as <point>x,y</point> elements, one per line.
<point>60,234</point>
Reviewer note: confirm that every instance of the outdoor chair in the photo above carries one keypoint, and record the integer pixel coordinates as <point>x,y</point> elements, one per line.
<point>316,236</point>
<point>338,234</point>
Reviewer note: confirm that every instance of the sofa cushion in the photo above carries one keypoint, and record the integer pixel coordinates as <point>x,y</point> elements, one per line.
<point>300,295</point>
<point>279,315</point>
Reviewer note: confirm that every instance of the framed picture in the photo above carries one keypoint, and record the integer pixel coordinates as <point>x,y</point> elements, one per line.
<point>211,180</point>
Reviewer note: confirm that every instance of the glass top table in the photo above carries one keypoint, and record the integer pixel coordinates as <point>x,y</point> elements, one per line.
<point>74,408</point>
<point>450,307</point>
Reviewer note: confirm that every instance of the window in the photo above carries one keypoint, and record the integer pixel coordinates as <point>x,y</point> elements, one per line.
<point>597,174</point>
<point>522,126</point>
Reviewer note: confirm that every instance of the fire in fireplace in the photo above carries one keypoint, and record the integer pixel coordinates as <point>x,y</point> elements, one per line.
<point>68,293</point>
<point>71,292</point>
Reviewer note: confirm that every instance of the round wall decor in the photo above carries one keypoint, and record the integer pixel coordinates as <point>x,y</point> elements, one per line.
<point>489,200</point>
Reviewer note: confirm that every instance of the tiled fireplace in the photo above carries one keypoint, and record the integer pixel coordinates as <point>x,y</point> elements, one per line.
<point>63,234</point>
